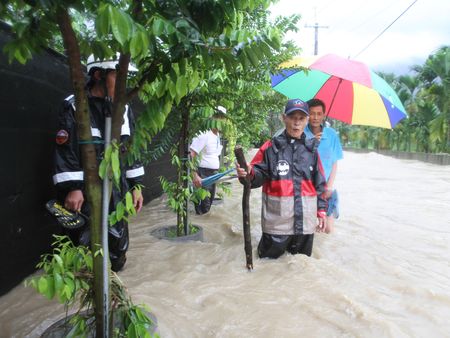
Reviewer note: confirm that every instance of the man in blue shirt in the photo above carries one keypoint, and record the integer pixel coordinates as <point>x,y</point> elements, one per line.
<point>330,151</point>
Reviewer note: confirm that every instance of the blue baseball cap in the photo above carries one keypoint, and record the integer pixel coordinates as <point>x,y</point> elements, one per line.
<point>296,104</point>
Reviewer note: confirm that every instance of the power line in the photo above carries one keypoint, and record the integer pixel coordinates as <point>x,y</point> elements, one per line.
<point>342,23</point>
<point>384,30</point>
<point>324,8</point>
<point>369,19</point>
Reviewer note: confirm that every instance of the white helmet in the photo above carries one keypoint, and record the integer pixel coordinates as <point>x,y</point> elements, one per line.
<point>222,109</point>
<point>109,63</point>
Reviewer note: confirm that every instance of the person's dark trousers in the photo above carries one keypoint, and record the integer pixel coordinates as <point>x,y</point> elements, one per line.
<point>118,242</point>
<point>204,205</point>
<point>273,246</point>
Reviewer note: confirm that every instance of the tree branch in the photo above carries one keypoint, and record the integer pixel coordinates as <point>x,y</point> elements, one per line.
<point>149,75</point>
<point>120,96</point>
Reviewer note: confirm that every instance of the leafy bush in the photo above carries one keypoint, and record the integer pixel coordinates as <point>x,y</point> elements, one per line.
<point>68,276</point>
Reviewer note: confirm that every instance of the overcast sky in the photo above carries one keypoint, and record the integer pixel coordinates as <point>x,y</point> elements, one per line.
<point>353,24</point>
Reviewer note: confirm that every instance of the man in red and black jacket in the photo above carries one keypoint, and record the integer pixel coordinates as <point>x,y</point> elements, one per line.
<point>289,170</point>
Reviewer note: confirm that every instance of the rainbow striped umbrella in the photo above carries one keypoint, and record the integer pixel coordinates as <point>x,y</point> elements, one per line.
<point>351,91</point>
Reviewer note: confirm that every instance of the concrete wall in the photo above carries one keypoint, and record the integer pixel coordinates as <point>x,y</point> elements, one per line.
<point>442,159</point>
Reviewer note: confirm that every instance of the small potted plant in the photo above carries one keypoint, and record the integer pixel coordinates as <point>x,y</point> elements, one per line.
<point>179,194</point>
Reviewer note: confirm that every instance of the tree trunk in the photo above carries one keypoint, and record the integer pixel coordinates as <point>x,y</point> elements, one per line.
<point>93,187</point>
<point>183,154</point>
<point>120,96</point>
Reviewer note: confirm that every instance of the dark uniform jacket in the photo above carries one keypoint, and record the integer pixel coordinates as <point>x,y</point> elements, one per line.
<point>68,173</point>
<point>68,170</point>
<point>290,173</point>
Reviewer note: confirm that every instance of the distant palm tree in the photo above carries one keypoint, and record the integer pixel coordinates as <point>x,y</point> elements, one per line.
<point>363,137</point>
<point>425,95</point>
<point>435,75</point>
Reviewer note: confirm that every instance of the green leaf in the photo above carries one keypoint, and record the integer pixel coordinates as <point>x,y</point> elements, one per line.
<point>258,52</point>
<point>170,29</point>
<point>274,42</point>
<point>182,66</point>
<point>20,56</point>
<point>102,21</point>
<point>108,153</point>
<point>182,24</point>
<point>172,89</point>
<point>120,210</point>
<point>181,86</point>
<point>89,262</point>
<point>85,285</point>
<point>120,25</point>
<point>158,26</point>
<point>135,45</point>
<point>76,328</point>
<point>131,331</point>
<point>51,288</point>
<point>129,201</point>
<point>58,282</point>
<point>141,316</point>
<point>99,252</point>
<point>194,80</point>
<point>59,261</point>
<point>67,292</point>
<point>142,331</point>
<point>160,118</point>
<point>252,57</point>
<point>46,286</point>
<point>42,285</point>
<point>266,49</point>
<point>161,89</point>
<point>31,282</point>
<point>102,169</point>
<point>145,43</point>
<point>206,58</point>
<point>112,219</point>
<point>115,166</point>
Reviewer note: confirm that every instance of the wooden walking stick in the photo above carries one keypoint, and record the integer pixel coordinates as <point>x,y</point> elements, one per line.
<point>238,152</point>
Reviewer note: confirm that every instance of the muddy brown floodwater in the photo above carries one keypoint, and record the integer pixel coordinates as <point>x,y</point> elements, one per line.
<point>384,272</point>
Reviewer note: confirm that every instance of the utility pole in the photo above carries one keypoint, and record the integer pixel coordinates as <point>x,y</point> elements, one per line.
<point>316,36</point>
<point>316,33</point>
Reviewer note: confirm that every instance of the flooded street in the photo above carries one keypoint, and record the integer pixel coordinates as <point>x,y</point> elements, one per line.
<point>384,272</point>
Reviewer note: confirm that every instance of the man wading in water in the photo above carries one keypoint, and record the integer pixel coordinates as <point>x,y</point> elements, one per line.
<point>69,177</point>
<point>289,170</point>
<point>330,151</point>
<point>207,145</point>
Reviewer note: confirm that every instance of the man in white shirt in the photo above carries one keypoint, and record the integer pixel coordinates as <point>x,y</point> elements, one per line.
<point>207,146</point>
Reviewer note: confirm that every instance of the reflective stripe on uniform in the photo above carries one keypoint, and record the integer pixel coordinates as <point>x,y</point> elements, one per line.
<point>125,130</point>
<point>68,176</point>
<point>96,132</point>
<point>126,123</point>
<point>69,98</point>
<point>135,172</point>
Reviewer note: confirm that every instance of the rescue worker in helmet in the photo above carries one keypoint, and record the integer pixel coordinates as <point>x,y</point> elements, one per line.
<point>68,170</point>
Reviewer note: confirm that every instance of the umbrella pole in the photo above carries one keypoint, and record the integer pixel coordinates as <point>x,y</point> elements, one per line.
<point>238,152</point>
<point>334,96</point>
